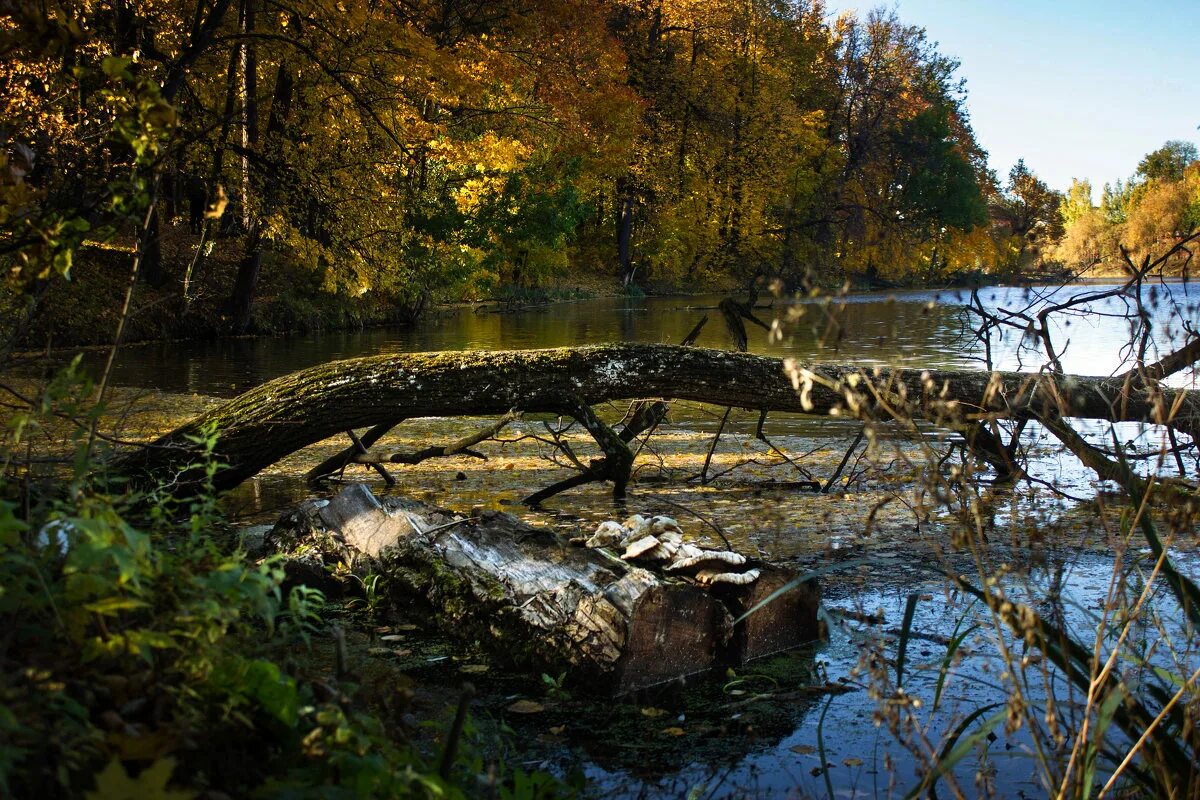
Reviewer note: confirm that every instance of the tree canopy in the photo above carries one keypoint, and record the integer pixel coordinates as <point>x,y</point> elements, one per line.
<point>1154,208</point>
<point>440,148</point>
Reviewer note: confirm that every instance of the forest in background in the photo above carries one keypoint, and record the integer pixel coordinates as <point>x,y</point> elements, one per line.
<point>321,164</point>
<point>312,164</point>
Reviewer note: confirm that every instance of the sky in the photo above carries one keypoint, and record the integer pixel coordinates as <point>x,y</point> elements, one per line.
<point>1078,89</point>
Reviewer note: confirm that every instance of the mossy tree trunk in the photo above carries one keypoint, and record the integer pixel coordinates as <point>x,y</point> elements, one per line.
<point>281,416</point>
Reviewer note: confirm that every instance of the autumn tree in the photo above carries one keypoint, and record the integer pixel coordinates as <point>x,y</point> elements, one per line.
<point>906,174</point>
<point>1030,213</point>
<point>383,155</point>
<point>1087,235</point>
<point>1151,211</point>
<point>1168,162</point>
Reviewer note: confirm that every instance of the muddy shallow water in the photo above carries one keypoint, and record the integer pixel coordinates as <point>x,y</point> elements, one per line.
<point>761,733</point>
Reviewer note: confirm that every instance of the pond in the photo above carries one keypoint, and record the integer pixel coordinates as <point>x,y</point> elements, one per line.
<point>910,328</point>
<point>873,522</point>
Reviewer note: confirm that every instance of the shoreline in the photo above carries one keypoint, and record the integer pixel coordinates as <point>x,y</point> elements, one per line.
<point>553,296</point>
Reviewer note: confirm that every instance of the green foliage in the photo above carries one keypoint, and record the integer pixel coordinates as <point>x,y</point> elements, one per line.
<point>132,635</point>
<point>940,187</point>
<point>1077,203</point>
<point>555,687</point>
<point>1168,162</point>
<point>1115,201</point>
<point>49,233</point>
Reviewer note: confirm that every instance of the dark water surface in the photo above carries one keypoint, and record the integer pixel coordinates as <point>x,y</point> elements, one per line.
<point>914,328</point>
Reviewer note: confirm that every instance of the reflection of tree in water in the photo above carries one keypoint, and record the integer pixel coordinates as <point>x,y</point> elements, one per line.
<point>880,332</point>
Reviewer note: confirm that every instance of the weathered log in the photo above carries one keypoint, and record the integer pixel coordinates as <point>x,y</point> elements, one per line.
<point>281,416</point>
<point>539,603</point>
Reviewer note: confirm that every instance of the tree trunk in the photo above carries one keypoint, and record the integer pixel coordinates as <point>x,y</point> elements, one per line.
<point>271,421</point>
<point>241,300</point>
<point>249,56</point>
<point>246,283</point>
<point>152,263</point>
<point>625,232</point>
<point>540,604</point>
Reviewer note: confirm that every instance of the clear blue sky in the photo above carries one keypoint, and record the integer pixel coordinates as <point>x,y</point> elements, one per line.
<point>1076,88</point>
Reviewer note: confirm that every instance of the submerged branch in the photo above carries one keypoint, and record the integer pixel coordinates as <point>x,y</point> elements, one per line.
<point>462,445</point>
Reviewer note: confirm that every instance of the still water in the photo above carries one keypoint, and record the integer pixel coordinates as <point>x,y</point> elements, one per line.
<point>917,328</point>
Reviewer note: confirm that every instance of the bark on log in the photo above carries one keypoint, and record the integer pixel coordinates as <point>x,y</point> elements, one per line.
<point>540,603</point>
<point>281,416</point>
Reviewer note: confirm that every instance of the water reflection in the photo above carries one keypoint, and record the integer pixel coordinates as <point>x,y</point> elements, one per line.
<point>920,328</point>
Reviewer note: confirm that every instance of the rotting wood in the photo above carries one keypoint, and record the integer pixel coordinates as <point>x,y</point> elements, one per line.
<point>537,602</point>
<point>281,416</point>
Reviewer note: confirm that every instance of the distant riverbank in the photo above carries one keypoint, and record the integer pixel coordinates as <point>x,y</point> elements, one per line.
<point>83,312</point>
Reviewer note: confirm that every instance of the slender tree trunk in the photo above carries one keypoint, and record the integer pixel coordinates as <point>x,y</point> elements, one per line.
<point>241,301</point>
<point>625,233</point>
<point>210,189</point>
<point>249,76</point>
<point>151,249</point>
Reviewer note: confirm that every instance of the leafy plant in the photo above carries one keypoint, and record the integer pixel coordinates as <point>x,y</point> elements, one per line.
<point>555,687</point>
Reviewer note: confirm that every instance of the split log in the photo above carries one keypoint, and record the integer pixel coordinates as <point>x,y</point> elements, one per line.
<point>539,603</point>
<point>281,416</point>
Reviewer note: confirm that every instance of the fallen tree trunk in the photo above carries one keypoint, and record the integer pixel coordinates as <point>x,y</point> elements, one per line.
<point>538,603</point>
<point>271,421</point>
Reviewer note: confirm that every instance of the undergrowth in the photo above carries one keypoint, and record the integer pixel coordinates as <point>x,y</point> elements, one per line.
<point>142,655</point>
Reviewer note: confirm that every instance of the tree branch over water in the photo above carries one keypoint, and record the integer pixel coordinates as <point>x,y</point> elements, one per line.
<point>277,418</point>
